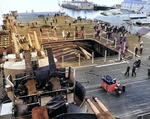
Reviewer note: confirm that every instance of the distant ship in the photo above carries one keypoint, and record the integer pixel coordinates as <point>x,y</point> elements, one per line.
<point>99,7</point>
<point>77,5</point>
<point>83,5</point>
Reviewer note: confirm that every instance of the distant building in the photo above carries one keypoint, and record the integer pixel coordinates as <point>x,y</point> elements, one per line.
<point>139,6</point>
<point>117,6</point>
<point>146,8</point>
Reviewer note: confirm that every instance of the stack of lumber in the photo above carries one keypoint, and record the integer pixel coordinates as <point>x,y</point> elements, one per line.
<point>71,50</point>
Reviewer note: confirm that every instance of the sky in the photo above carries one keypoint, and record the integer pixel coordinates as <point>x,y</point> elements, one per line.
<point>41,5</point>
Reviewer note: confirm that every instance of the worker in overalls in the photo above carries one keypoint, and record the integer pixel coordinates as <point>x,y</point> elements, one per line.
<point>118,89</point>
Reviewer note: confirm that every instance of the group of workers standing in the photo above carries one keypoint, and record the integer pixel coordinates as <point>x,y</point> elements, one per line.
<point>137,62</point>
<point>135,65</point>
<point>141,48</point>
<point>128,70</point>
<point>141,45</point>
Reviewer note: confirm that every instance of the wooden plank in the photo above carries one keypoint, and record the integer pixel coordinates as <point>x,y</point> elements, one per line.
<point>62,53</point>
<point>87,54</point>
<point>83,44</point>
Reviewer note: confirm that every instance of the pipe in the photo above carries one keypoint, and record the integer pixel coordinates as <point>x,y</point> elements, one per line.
<point>100,104</point>
<point>37,46</point>
<point>36,41</point>
<point>16,46</point>
<point>30,40</point>
<point>95,110</point>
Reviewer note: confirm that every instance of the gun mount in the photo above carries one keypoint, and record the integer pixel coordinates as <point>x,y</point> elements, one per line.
<point>34,88</point>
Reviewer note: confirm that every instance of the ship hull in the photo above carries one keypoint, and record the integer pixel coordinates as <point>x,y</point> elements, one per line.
<point>78,5</point>
<point>102,8</point>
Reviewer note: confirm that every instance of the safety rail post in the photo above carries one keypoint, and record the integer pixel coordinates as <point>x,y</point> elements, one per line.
<point>62,60</point>
<point>74,35</point>
<point>41,36</point>
<point>46,52</point>
<point>124,47</point>
<point>119,54</point>
<point>107,39</point>
<point>105,55</point>
<point>79,59</point>
<point>84,34</point>
<point>92,57</point>
<point>115,41</point>
<point>134,54</point>
<point>48,36</point>
<point>94,34</point>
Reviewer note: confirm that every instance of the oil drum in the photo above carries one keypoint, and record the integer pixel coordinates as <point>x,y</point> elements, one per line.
<point>123,88</point>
